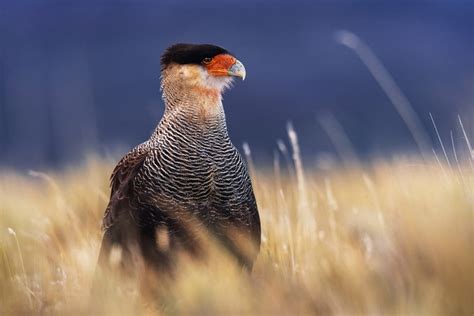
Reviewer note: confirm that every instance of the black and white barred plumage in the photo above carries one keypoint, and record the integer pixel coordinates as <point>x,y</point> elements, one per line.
<point>188,176</point>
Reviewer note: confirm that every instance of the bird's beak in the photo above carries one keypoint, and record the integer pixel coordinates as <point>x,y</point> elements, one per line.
<point>237,70</point>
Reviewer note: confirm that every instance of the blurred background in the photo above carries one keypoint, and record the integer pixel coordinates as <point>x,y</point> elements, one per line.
<point>83,76</point>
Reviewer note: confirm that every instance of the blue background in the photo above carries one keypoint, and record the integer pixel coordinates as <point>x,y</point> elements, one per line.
<point>83,76</point>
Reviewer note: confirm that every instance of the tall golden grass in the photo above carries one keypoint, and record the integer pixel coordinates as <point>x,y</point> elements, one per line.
<point>389,237</point>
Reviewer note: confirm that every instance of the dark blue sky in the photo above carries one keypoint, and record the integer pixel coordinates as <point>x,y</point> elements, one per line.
<point>81,76</point>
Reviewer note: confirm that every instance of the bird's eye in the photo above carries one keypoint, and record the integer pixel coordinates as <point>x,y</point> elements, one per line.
<point>206,60</point>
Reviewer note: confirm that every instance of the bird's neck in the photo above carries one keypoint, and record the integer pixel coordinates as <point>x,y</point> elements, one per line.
<point>192,109</point>
<point>193,102</point>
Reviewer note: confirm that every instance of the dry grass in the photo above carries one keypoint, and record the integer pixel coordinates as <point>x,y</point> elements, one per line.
<point>392,237</point>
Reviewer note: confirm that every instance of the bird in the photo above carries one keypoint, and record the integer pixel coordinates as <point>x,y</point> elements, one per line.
<point>188,176</point>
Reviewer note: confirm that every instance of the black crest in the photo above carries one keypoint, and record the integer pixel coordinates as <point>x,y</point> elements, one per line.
<point>189,53</point>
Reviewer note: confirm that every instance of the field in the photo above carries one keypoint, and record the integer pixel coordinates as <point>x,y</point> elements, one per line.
<point>387,237</point>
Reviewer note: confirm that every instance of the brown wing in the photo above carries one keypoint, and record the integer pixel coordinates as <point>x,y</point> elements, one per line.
<point>121,183</point>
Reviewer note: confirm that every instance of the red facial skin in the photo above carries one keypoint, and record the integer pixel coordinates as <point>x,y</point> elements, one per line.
<point>219,65</point>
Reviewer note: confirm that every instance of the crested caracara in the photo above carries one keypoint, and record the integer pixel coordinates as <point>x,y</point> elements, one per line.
<point>187,177</point>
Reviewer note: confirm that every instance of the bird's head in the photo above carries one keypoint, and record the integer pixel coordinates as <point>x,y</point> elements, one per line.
<point>202,66</point>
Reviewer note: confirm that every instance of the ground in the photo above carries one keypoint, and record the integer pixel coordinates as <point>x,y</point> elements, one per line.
<point>392,237</point>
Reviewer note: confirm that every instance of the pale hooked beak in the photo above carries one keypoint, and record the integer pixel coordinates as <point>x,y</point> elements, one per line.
<point>237,70</point>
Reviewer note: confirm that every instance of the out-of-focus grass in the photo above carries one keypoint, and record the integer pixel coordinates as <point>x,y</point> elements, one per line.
<point>391,237</point>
